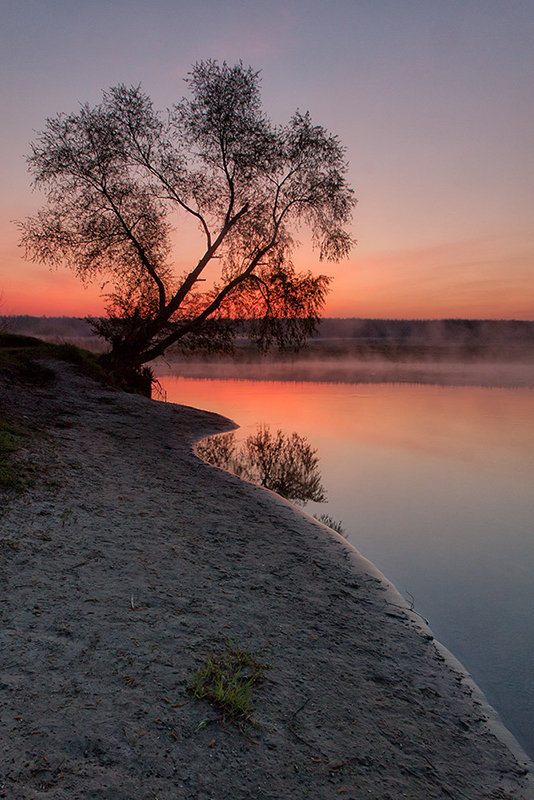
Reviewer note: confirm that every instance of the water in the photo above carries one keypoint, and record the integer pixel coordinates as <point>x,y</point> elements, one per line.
<point>434,484</point>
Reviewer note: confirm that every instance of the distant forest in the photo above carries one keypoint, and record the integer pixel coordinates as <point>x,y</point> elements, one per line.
<point>63,328</point>
<point>446,332</point>
<point>429,332</point>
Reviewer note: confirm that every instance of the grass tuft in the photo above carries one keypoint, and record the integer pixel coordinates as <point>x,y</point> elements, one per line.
<point>330,522</point>
<point>226,681</point>
<point>20,357</point>
<point>12,474</point>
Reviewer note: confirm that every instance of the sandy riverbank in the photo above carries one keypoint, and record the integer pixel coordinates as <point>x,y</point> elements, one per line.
<point>129,560</point>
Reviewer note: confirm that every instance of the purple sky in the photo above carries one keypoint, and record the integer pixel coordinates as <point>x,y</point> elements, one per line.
<point>432,98</point>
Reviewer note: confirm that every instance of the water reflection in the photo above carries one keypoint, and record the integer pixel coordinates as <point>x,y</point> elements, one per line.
<point>434,485</point>
<point>285,463</point>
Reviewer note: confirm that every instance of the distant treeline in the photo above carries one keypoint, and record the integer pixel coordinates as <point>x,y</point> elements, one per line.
<point>434,333</point>
<point>47,327</point>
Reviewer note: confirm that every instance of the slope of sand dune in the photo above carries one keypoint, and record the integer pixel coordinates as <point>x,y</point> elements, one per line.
<point>129,560</point>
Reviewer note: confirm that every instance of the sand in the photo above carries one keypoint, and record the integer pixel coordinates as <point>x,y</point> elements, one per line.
<point>129,560</point>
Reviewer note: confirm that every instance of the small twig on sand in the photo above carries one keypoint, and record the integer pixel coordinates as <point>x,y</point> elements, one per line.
<point>299,709</point>
<point>298,736</point>
<point>410,608</point>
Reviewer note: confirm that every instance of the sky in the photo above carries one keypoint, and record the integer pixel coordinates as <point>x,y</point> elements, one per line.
<point>433,100</point>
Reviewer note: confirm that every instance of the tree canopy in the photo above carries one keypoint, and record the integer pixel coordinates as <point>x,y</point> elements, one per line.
<point>121,179</point>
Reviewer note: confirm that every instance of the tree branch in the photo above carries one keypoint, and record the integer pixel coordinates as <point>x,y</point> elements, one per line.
<point>210,309</point>
<point>187,285</point>
<point>140,251</point>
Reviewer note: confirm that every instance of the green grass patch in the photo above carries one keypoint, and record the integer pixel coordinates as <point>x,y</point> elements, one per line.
<point>13,475</point>
<point>20,357</point>
<point>9,436</point>
<point>227,681</point>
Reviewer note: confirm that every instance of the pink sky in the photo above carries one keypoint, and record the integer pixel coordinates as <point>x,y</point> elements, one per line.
<point>432,101</point>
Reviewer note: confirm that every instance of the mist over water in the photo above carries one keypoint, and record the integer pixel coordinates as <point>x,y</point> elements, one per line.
<point>433,483</point>
<point>444,352</point>
<point>342,369</point>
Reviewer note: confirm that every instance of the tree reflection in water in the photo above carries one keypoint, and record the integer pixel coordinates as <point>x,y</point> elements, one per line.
<point>287,464</point>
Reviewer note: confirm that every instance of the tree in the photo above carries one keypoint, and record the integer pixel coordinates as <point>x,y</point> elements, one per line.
<point>119,175</point>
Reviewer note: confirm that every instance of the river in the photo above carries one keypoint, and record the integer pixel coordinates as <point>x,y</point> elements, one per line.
<point>434,484</point>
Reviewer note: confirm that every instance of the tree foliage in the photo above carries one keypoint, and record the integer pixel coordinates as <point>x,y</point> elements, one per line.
<point>121,179</point>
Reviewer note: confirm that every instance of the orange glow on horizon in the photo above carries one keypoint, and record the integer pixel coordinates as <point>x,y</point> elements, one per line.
<point>66,297</point>
<point>60,297</point>
<point>462,280</point>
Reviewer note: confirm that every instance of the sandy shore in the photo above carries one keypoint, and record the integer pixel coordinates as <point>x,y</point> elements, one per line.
<point>129,560</point>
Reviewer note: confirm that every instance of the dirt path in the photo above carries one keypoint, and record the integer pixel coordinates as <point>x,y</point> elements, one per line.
<point>129,560</point>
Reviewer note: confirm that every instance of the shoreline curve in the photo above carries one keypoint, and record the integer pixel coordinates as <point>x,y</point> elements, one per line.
<point>129,560</point>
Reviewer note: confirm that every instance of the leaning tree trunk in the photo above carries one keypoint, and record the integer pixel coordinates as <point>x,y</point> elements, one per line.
<point>127,372</point>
